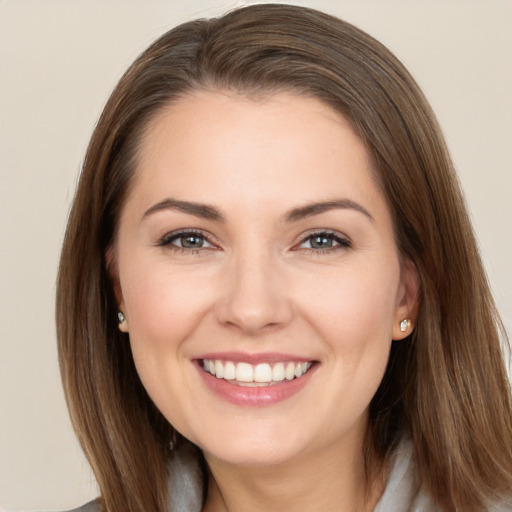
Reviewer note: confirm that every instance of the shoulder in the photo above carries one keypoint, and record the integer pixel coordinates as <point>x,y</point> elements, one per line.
<point>404,492</point>
<point>504,505</point>
<point>92,506</point>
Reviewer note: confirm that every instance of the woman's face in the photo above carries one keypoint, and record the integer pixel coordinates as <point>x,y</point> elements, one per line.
<point>259,276</point>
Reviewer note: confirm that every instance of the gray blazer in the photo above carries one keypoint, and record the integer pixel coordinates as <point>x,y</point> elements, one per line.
<point>403,493</point>
<point>185,482</point>
<point>92,506</point>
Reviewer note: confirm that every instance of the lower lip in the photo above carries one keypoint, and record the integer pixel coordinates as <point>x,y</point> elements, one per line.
<point>255,396</point>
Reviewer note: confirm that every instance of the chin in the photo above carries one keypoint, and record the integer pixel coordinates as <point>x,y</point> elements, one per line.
<point>250,456</point>
<point>258,450</point>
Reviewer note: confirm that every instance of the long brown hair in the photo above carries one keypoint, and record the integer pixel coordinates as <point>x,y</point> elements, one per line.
<point>446,386</point>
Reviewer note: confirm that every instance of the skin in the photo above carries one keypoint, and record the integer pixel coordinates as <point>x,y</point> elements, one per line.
<point>254,283</point>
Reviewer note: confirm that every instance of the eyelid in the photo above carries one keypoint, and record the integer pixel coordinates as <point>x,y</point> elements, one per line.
<point>167,239</point>
<point>343,241</point>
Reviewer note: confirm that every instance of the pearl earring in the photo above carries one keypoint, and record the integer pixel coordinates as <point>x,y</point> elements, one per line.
<point>121,317</point>
<point>404,324</point>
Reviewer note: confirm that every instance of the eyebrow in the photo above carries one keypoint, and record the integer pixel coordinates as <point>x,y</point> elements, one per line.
<point>310,210</point>
<point>203,211</point>
<point>208,212</point>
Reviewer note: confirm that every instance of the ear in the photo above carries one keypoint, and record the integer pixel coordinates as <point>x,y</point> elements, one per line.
<point>113,274</point>
<point>406,310</point>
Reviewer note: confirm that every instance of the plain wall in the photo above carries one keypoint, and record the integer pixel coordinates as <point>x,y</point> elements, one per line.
<point>59,61</point>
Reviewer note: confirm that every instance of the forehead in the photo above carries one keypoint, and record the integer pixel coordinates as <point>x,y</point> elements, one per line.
<point>202,109</point>
<point>213,144</point>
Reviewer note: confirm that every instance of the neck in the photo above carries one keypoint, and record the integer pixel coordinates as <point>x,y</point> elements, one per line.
<point>329,480</point>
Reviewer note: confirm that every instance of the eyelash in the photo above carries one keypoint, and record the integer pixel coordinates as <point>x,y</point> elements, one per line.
<point>343,243</point>
<point>168,239</point>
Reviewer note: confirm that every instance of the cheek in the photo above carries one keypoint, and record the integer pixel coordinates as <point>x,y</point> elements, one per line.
<point>354,306</point>
<point>355,319</point>
<point>164,310</point>
<point>354,314</point>
<point>163,306</point>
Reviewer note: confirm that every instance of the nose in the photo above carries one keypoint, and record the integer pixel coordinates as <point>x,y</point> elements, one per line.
<point>254,298</point>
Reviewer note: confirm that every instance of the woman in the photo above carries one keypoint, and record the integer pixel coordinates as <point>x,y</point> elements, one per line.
<point>270,295</point>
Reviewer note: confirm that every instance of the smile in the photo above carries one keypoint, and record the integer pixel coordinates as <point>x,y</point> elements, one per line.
<point>258,375</point>
<point>255,380</point>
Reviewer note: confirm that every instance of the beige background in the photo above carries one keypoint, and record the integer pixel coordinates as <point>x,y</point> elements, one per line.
<point>60,59</point>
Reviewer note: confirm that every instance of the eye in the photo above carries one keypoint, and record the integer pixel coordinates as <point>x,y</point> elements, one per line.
<point>324,242</point>
<point>186,240</point>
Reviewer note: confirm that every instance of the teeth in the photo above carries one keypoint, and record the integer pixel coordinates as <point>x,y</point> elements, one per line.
<point>278,372</point>
<point>219,369</point>
<point>289,373</point>
<point>244,372</point>
<point>261,374</point>
<point>229,371</point>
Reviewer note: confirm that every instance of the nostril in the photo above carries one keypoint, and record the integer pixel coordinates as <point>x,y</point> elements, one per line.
<point>251,317</point>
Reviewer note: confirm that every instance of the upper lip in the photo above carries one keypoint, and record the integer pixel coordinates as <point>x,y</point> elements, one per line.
<point>254,358</point>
